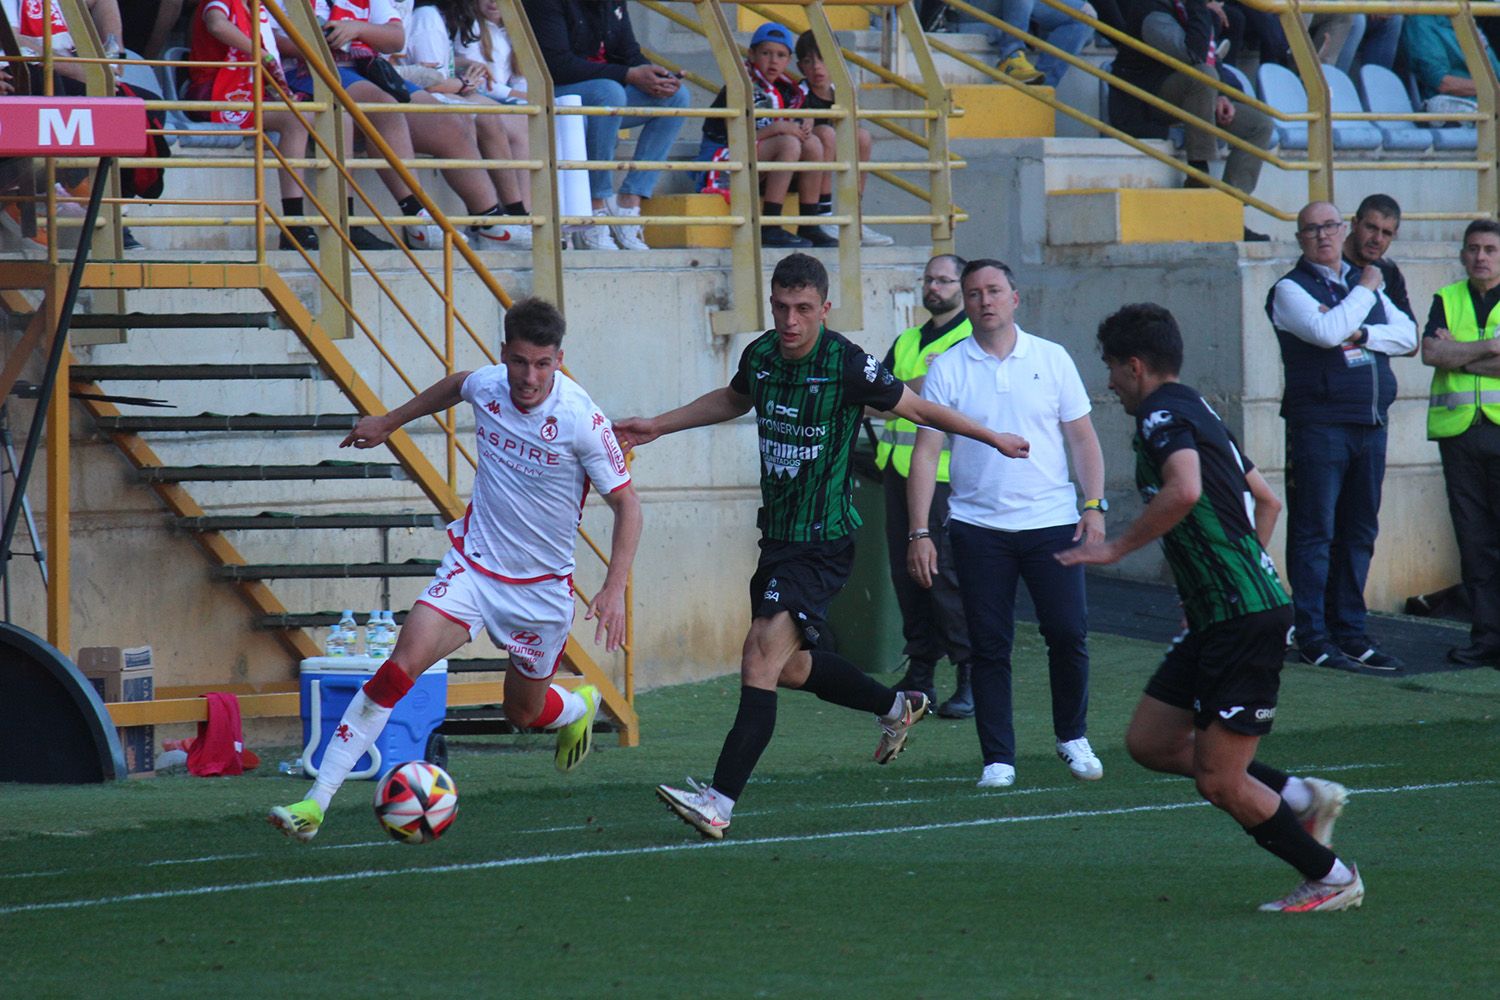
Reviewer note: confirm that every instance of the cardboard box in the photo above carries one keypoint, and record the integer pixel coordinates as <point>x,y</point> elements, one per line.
<point>125,674</point>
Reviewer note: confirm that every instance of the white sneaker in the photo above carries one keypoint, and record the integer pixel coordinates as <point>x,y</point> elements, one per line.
<point>424,236</point>
<point>629,237</point>
<point>500,237</point>
<point>1080,758</point>
<point>697,806</point>
<point>873,238</point>
<point>997,776</point>
<point>1328,798</point>
<point>595,237</point>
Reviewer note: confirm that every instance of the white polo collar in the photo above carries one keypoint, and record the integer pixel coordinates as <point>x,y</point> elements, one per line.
<point>977,353</point>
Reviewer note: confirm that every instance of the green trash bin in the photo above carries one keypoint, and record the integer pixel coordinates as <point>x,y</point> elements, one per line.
<point>865,619</point>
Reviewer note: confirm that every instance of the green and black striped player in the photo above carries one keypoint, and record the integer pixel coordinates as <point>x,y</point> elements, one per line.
<point>808,387</point>
<point>1207,706</point>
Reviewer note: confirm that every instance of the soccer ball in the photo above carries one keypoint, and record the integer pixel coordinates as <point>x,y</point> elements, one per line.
<point>415,802</point>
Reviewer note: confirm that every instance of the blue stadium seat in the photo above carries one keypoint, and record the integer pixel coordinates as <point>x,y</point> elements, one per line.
<point>1384,94</point>
<point>1342,97</point>
<point>1280,88</point>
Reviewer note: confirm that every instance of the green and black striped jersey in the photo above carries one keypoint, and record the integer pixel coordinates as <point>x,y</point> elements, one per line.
<point>807,413</point>
<point>1221,570</point>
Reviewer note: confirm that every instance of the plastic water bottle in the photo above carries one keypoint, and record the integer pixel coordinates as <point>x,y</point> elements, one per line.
<point>377,647</point>
<point>290,766</point>
<point>344,637</point>
<point>388,633</point>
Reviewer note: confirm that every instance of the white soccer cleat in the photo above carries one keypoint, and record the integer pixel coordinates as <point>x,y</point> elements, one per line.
<point>696,806</point>
<point>893,731</point>
<point>1081,759</point>
<point>1310,897</point>
<point>997,776</point>
<point>1328,798</point>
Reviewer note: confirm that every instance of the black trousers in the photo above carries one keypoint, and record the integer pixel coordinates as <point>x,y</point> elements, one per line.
<point>932,621</point>
<point>1471,471</point>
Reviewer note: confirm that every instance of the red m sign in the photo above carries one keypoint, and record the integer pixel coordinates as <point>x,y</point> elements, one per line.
<point>72,126</point>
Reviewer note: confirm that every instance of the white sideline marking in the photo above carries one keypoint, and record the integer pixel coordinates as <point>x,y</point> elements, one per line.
<point>539,859</point>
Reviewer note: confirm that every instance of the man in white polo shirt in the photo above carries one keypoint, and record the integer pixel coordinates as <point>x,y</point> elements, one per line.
<point>1006,520</point>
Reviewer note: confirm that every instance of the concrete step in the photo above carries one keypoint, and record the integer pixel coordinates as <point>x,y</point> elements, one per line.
<point>1141,215</point>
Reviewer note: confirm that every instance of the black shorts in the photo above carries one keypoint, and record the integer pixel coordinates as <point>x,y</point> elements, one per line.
<point>1228,673</point>
<point>801,578</point>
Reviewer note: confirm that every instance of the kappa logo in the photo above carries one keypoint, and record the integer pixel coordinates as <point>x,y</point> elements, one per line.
<point>526,638</point>
<point>493,406</point>
<point>1229,713</point>
<point>549,430</point>
<point>598,419</point>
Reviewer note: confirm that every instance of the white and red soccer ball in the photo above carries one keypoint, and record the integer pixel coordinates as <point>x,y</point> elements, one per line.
<point>415,802</point>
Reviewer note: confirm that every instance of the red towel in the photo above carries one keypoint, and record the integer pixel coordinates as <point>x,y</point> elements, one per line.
<point>220,746</point>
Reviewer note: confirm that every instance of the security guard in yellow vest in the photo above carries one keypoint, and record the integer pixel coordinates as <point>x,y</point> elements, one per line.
<point>932,621</point>
<point>1463,416</point>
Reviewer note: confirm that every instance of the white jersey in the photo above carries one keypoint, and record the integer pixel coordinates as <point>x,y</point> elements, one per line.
<point>535,469</point>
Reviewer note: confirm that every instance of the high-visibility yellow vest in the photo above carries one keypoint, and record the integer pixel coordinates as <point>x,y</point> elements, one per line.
<point>1457,397</point>
<point>911,361</point>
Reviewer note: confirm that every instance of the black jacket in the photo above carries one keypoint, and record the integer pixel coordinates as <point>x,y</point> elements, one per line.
<point>584,39</point>
<point>1144,71</point>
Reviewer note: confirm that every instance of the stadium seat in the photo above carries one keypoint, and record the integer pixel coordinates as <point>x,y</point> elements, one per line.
<point>1342,97</point>
<point>1383,93</point>
<point>173,78</point>
<point>1239,78</point>
<point>1280,88</point>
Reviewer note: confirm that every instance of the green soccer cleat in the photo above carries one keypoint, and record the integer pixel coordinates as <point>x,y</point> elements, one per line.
<point>576,739</point>
<point>300,820</point>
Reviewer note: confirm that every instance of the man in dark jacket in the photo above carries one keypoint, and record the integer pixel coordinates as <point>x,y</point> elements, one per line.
<point>1185,31</point>
<point>1376,222</point>
<point>591,52</point>
<point>1338,331</point>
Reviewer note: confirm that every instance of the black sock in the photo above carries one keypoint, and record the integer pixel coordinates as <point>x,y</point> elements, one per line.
<point>1267,775</point>
<point>808,208</point>
<point>747,740</point>
<point>770,210</point>
<point>515,208</point>
<point>410,205</point>
<point>836,680</point>
<point>1284,837</point>
<point>825,204</point>
<point>291,206</point>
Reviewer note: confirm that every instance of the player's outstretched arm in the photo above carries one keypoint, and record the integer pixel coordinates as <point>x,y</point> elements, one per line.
<point>609,602</point>
<point>710,408</point>
<point>1182,485</point>
<point>930,414</point>
<point>372,431</point>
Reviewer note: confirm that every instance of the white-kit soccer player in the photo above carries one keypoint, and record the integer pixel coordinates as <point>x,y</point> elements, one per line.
<point>542,445</point>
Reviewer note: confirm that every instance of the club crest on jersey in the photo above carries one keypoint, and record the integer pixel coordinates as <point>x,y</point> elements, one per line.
<point>437,589</point>
<point>549,430</point>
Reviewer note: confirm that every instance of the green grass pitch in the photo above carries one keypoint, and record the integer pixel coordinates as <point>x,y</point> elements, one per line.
<point>839,878</point>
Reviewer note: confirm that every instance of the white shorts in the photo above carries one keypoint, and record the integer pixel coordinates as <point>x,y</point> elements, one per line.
<point>530,621</point>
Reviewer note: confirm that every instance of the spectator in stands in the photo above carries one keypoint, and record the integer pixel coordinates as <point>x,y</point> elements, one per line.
<point>1376,222</point>
<point>435,29</point>
<point>1463,416</point>
<point>491,48</point>
<point>1338,331</point>
<point>148,25</point>
<point>1185,30</point>
<point>1373,39</point>
<point>777,140</point>
<point>221,33</point>
<point>1433,55</point>
<point>1329,33</point>
<point>360,33</point>
<point>1052,25</point>
<point>816,91</point>
<point>1265,28</point>
<point>591,52</point>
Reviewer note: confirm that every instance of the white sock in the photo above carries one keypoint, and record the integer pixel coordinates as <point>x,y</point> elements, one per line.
<point>1339,874</point>
<point>1297,795</point>
<point>722,802</point>
<point>361,725</point>
<point>574,707</point>
<point>897,707</point>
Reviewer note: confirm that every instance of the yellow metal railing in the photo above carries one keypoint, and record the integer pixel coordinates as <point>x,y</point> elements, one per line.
<point>1321,160</point>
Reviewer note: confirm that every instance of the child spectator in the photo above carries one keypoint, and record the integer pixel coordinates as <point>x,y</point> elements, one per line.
<point>436,27</point>
<point>817,92</point>
<point>221,33</point>
<point>777,140</point>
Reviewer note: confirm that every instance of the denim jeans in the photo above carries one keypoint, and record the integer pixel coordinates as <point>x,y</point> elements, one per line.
<point>1334,476</point>
<point>1056,27</point>
<point>601,133</point>
<point>989,563</point>
<point>1372,42</point>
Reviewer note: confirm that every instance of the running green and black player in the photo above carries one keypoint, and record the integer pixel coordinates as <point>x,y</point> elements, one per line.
<point>808,387</point>
<point>1214,695</point>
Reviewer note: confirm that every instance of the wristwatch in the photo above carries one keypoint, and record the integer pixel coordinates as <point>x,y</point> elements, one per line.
<point>1100,504</point>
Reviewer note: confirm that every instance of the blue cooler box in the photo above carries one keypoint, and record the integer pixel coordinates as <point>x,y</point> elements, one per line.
<point>328,684</point>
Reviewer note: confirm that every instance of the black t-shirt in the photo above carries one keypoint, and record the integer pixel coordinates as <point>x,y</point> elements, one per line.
<point>1484,302</point>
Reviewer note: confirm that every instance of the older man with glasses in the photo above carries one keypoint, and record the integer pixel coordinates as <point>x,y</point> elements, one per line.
<point>1338,330</point>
